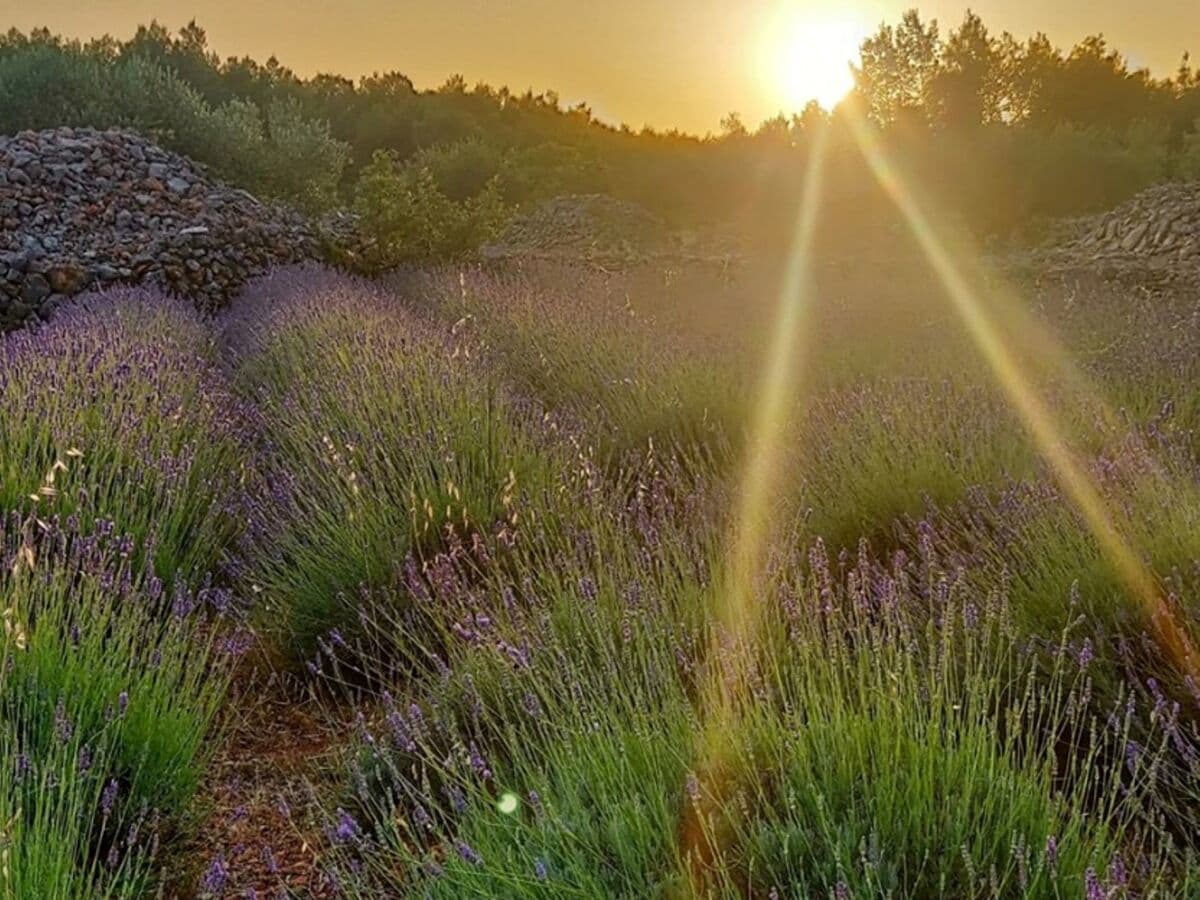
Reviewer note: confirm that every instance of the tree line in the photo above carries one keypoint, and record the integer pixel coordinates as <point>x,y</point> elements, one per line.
<point>1005,131</point>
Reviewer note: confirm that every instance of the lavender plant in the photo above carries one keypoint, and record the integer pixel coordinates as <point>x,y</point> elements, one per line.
<point>869,746</point>
<point>870,455</point>
<point>108,694</point>
<point>116,410</point>
<point>383,435</point>
<point>573,340</point>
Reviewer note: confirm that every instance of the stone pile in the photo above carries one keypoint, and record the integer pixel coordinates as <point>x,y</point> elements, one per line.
<point>81,208</point>
<point>1155,236</point>
<point>582,226</point>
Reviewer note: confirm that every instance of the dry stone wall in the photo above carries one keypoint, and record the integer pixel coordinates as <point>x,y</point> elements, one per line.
<point>82,209</point>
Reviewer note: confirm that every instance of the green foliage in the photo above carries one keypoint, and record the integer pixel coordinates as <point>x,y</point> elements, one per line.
<point>871,748</point>
<point>575,344</point>
<point>1074,168</point>
<point>407,217</point>
<point>118,469</point>
<point>274,150</point>
<point>1188,162</point>
<point>383,451</point>
<point>879,452</point>
<point>149,371</point>
<point>1001,129</point>
<point>462,170</point>
<point>304,164</point>
<point>99,690</point>
<point>43,86</point>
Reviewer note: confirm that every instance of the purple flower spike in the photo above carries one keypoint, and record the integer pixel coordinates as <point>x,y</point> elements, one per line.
<point>216,877</point>
<point>468,854</point>
<point>108,799</point>
<point>346,830</point>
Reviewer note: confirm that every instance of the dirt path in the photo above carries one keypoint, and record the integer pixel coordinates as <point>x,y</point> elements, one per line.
<point>259,833</point>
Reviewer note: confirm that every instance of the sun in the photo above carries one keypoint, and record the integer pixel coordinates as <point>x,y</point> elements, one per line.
<point>809,59</point>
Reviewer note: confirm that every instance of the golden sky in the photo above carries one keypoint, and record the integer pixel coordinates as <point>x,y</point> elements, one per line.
<point>682,63</point>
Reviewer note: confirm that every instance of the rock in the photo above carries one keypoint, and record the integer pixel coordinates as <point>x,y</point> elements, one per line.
<point>1146,240</point>
<point>81,207</point>
<point>17,260</point>
<point>1134,239</point>
<point>35,289</point>
<point>68,278</point>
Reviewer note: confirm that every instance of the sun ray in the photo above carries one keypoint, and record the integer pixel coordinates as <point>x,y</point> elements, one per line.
<point>737,614</point>
<point>1026,401</point>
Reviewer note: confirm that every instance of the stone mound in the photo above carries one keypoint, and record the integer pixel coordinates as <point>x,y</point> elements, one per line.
<point>586,226</point>
<point>81,208</point>
<point>1156,235</point>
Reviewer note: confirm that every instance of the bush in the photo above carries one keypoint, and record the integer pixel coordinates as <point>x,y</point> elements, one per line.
<point>120,462</point>
<point>407,217</point>
<point>1071,169</point>
<point>278,153</point>
<point>303,164</point>
<point>108,695</point>
<point>591,733</point>
<point>461,170</point>
<point>142,365</point>
<point>44,86</point>
<point>386,439</point>
<point>1187,163</point>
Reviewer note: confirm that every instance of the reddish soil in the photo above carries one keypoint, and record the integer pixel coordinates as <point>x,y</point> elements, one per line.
<point>258,813</point>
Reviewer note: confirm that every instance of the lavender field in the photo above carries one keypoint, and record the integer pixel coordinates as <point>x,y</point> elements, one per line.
<point>543,581</point>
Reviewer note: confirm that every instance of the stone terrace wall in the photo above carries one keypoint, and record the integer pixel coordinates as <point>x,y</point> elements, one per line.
<point>81,208</point>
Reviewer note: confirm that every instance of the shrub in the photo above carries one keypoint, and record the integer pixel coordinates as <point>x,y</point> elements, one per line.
<point>109,692</point>
<point>44,86</point>
<point>1187,163</point>
<point>385,437</point>
<point>116,410</point>
<point>572,340</point>
<point>878,452</point>
<point>592,734</point>
<point>461,170</point>
<point>408,218</point>
<point>1071,169</point>
<point>304,164</point>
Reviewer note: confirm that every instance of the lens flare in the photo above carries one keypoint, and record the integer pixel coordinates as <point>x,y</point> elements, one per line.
<point>1035,414</point>
<point>737,614</point>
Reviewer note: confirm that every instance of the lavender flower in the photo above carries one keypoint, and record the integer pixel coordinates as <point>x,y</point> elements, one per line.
<point>215,877</point>
<point>345,830</point>
<point>62,725</point>
<point>467,853</point>
<point>108,798</point>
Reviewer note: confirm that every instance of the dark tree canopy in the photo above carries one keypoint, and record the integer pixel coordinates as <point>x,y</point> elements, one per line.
<point>1003,129</point>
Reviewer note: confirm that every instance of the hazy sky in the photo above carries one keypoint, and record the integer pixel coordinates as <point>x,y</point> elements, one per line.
<point>678,63</point>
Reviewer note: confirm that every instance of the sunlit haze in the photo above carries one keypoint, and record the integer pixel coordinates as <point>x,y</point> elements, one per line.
<point>667,63</point>
<point>807,58</point>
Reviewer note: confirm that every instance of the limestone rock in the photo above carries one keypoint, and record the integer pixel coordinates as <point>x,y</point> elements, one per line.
<point>86,208</point>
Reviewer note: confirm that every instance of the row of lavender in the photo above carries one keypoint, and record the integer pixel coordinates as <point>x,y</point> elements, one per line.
<point>120,454</point>
<point>529,595</point>
<point>502,530</point>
